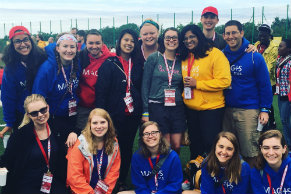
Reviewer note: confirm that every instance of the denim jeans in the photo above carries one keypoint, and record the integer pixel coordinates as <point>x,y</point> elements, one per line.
<point>285,115</point>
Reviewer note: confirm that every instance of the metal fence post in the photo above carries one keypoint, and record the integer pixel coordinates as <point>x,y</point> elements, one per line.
<point>286,36</point>
<point>253,28</point>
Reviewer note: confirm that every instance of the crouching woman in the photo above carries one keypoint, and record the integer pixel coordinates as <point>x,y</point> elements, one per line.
<point>94,160</point>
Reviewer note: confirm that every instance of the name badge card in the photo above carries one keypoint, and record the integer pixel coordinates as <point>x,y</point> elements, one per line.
<point>101,187</point>
<point>46,183</point>
<point>129,102</point>
<point>72,107</point>
<point>188,93</point>
<point>170,97</point>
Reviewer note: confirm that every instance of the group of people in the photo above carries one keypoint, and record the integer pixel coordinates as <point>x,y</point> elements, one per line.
<point>75,114</point>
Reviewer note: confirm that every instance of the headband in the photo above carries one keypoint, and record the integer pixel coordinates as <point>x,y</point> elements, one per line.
<point>67,37</point>
<point>150,22</point>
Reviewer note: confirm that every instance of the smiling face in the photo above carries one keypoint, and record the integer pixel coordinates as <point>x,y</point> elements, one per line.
<point>126,44</point>
<point>151,136</point>
<point>273,151</point>
<point>67,50</point>
<point>99,126</point>
<point>283,50</point>
<point>224,151</point>
<point>22,44</point>
<point>209,21</point>
<point>171,41</point>
<point>94,45</point>
<point>149,35</point>
<point>233,37</point>
<point>190,40</point>
<point>41,118</point>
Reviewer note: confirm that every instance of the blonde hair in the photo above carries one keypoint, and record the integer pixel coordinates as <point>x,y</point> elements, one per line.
<point>109,137</point>
<point>30,99</point>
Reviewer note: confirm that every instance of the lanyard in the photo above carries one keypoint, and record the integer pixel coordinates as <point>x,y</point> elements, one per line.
<point>213,38</point>
<point>223,189</point>
<point>152,166</point>
<point>190,63</point>
<point>282,181</point>
<point>127,73</point>
<point>170,74</point>
<point>99,164</point>
<point>142,51</point>
<point>69,84</point>
<point>46,157</point>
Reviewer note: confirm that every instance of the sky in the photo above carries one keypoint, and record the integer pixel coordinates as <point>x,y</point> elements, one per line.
<point>17,12</point>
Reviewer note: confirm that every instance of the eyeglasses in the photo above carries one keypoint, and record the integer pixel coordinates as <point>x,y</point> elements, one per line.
<point>35,113</point>
<point>231,33</point>
<point>153,133</point>
<point>174,38</point>
<point>18,41</point>
<point>191,37</point>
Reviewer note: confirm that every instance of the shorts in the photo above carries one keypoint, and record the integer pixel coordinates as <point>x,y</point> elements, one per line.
<point>171,119</point>
<point>243,123</point>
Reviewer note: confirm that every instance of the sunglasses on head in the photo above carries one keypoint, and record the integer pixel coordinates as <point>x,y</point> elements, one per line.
<point>35,113</point>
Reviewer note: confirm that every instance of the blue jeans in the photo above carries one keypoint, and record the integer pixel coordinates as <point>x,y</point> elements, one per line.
<point>285,115</point>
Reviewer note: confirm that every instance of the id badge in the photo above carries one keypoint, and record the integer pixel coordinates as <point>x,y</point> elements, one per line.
<point>170,97</point>
<point>129,102</point>
<point>277,89</point>
<point>46,182</point>
<point>101,187</point>
<point>188,93</point>
<point>72,107</point>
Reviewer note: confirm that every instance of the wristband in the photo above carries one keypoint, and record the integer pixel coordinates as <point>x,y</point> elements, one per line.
<point>145,114</point>
<point>265,110</point>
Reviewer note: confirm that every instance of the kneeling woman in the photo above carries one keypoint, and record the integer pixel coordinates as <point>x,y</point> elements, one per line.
<point>223,171</point>
<point>272,173</point>
<point>155,150</point>
<point>32,152</point>
<point>94,160</point>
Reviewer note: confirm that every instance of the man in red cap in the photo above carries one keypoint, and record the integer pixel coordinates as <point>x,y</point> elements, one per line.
<point>209,19</point>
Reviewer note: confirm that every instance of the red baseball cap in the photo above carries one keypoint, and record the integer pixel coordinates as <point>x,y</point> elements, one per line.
<point>210,9</point>
<point>13,32</point>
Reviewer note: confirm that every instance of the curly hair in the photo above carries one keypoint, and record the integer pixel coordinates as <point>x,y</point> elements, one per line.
<point>203,46</point>
<point>233,169</point>
<point>164,146</point>
<point>109,137</point>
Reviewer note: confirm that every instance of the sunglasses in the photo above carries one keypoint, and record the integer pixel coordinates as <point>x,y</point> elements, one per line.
<point>35,113</point>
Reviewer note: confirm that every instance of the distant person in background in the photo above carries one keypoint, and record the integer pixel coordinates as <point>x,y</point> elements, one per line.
<point>51,40</point>
<point>91,59</point>
<point>40,41</point>
<point>118,91</point>
<point>283,76</point>
<point>149,33</point>
<point>81,38</point>
<point>209,19</point>
<point>74,32</point>
<point>23,157</point>
<point>22,58</point>
<point>269,49</point>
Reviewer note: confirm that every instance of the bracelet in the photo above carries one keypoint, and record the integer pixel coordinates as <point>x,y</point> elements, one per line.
<point>265,110</point>
<point>145,114</point>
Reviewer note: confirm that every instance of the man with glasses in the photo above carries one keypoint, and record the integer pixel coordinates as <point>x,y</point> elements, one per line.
<point>209,19</point>
<point>249,97</point>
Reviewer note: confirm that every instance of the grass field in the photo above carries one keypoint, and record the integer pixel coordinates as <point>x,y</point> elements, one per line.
<point>184,155</point>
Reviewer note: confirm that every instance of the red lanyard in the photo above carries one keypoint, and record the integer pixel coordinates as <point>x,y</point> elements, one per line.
<point>99,164</point>
<point>282,181</point>
<point>142,51</point>
<point>190,63</point>
<point>127,72</point>
<point>152,166</point>
<point>223,189</point>
<point>170,74</point>
<point>46,157</point>
<point>69,84</point>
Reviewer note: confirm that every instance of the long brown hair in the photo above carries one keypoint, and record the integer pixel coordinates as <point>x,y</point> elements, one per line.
<point>30,99</point>
<point>109,137</point>
<point>260,160</point>
<point>233,169</point>
<point>163,144</point>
